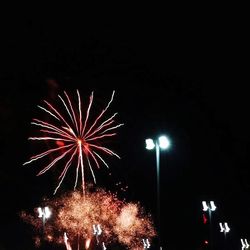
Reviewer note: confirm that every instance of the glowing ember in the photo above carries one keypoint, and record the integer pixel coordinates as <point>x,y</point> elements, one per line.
<point>74,138</point>
<point>95,218</point>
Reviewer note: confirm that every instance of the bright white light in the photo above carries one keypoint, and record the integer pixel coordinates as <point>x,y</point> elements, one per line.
<point>247,245</point>
<point>149,144</point>
<point>47,212</point>
<point>68,247</point>
<point>212,206</point>
<point>97,229</point>
<point>94,230</point>
<point>225,228</point>
<point>205,207</point>
<point>40,212</point>
<point>244,244</point>
<point>221,227</point>
<point>146,243</point>
<point>103,246</point>
<point>164,142</point>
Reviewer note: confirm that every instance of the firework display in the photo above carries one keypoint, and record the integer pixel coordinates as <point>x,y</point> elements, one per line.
<point>98,217</point>
<point>86,219</point>
<point>76,141</point>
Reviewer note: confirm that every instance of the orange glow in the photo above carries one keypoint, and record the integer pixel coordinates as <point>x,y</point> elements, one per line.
<point>87,243</point>
<point>131,225</point>
<point>79,142</point>
<point>122,222</point>
<point>49,237</point>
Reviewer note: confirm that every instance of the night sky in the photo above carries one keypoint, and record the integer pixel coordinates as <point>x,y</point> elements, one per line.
<point>187,79</point>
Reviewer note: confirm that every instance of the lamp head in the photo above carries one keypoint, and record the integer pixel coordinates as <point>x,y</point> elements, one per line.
<point>150,144</point>
<point>164,142</point>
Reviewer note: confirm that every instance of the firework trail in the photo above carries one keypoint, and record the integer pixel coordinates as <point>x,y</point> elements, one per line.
<point>66,242</point>
<point>75,139</point>
<point>82,218</point>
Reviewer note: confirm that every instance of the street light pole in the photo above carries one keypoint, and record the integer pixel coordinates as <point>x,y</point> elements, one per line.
<point>224,228</point>
<point>157,151</point>
<point>161,143</point>
<point>210,207</point>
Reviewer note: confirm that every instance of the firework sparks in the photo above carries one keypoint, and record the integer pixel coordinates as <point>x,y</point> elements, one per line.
<point>66,242</point>
<point>130,221</point>
<point>79,216</point>
<point>75,138</point>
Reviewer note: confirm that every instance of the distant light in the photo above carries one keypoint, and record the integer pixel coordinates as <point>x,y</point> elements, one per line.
<point>221,227</point>
<point>212,206</point>
<point>47,212</point>
<point>224,228</point>
<point>149,144</point>
<point>97,230</point>
<point>227,228</point>
<point>206,242</point>
<point>146,243</point>
<point>204,219</point>
<point>44,213</point>
<point>40,212</point>
<point>164,142</point>
<point>205,207</point>
<point>244,244</point>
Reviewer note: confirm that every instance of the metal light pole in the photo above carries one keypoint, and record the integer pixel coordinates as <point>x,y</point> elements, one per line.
<point>224,228</point>
<point>44,213</point>
<point>210,207</point>
<point>161,143</point>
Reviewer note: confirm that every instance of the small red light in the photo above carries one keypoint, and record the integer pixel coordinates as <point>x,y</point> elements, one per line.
<point>206,242</point>
<point>60,143</point>
<point>204,218</point>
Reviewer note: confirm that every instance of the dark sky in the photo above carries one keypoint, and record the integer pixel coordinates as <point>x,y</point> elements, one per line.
<point>186,78</point>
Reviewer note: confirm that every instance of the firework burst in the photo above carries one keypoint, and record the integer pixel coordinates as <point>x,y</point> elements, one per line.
<point>97,218</point>
<point>76,140</point>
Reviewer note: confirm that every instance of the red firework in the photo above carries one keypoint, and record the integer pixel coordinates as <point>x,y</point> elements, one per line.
<point>75,137</point>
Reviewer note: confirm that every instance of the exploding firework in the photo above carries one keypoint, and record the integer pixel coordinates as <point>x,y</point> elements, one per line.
<point>97,218</point>
<point>75,139</point>
<point>130,222</point>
